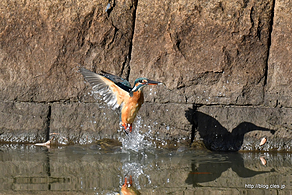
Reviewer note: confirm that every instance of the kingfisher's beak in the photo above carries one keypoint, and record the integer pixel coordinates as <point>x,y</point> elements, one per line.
<point>150,82</point>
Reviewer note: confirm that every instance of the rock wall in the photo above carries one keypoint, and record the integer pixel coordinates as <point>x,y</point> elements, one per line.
<point>225,65</point>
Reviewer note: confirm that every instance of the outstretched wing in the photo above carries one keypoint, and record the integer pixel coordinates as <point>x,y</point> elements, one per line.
<point>109,87</point>
<point>122,83</point>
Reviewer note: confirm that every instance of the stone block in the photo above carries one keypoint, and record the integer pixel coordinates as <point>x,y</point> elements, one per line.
<point>83,123</point>
<point>209,52</point>
<point>23,122</point>
<point>279,80</point>
<point>42,44</point>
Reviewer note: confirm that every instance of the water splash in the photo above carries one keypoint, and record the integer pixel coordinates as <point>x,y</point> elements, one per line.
<point>137,146</point>
<point>135,141</point>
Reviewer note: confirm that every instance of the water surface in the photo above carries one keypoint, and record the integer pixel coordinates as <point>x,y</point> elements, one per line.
<point>30,169</point>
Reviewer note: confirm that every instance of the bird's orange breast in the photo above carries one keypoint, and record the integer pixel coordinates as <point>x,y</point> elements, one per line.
<point>131,107</point>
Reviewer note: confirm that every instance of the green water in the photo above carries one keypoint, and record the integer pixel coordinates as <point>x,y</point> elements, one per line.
<point>28,169</point>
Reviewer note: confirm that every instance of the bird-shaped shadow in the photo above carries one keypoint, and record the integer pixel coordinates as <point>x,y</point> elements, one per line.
<point>210,170</point>
<point>214,135</point>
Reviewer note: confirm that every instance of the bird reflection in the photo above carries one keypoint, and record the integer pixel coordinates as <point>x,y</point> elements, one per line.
<point>128,189</point>
<point>209,170</point>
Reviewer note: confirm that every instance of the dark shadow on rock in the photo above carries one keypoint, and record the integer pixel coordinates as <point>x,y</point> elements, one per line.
<point>206,171</point>
<point>214,135</point>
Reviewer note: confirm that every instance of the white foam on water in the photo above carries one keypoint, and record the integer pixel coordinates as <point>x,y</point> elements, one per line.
<point>135,141</point>
<point>138,146</point>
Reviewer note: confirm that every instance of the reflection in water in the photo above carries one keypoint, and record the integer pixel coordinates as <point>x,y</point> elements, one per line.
<point>92,170</point>
<point>205,171</point>
<point>128,189</point>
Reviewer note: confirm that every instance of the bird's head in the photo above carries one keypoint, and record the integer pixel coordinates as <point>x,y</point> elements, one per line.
<point>142,82</point>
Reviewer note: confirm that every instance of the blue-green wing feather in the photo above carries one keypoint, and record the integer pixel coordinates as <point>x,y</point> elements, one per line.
<point>122,83</point>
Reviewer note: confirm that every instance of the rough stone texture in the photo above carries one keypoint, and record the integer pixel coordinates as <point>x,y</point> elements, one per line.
<point>223,58</point>
<point>279,91</point>
<point>176,126</point>
<point>209,52</point>
<point>82,123</point>
<point>42,43</point>
<point>23,122</point>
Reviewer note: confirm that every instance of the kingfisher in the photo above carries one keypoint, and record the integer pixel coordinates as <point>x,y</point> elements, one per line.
<point>118,93</point>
